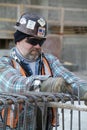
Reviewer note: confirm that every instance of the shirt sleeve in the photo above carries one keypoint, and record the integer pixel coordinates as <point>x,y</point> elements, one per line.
<point>11,79</point>
<point>60,71</point>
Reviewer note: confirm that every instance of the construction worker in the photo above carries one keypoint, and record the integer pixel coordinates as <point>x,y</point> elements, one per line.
<point>28,68</point>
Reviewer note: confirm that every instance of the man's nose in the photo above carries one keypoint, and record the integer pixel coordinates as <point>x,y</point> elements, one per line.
<point>37,46</point>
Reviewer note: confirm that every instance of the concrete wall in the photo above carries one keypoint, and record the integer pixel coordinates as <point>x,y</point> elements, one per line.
<point>74,49</point>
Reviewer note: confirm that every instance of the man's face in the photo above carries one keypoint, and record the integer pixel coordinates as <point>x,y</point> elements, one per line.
<point>29,51</point>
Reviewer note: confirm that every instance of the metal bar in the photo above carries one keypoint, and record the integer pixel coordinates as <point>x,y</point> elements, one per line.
<point>18,118</point>
<point>44,113</point>
<point>25,114</point>
<point>44,101</point>
<point>68,106</point>
<point>79,115</point>
<point>71,113</point>
<point>35,115</point>
<point>44,116</point>
<point>71,117</point>
<point>50,101</point>
<point>63,119</point>
<point>57,123</point>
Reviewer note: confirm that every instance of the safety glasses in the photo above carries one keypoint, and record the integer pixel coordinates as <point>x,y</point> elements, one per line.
<point>35,41</point>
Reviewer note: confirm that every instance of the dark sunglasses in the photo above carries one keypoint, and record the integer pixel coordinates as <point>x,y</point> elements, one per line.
<point>35,41</point>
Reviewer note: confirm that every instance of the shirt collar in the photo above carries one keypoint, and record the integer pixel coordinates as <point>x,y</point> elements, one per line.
<point>17,55</point>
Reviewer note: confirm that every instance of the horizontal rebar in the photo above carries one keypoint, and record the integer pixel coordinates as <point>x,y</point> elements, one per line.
<point>51,99</point>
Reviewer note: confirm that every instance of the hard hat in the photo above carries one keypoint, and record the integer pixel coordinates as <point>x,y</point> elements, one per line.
<point>32,24</point>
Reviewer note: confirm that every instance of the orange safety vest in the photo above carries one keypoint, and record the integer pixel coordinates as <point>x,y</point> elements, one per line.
<point>11,120</point>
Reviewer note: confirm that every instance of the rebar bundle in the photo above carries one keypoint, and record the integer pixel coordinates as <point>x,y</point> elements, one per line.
<point>19,111</point>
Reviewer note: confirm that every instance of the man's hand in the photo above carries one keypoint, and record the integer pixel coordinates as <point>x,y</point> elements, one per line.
<point>57,84</point>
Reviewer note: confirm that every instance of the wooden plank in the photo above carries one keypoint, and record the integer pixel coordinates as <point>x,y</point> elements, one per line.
<point>8,4</point>
<point>75,23</point>
<point>7,20</point>
<point>7,31</point>
<point>43,7</point>
<point>75,9</point>
<point>6,35</point>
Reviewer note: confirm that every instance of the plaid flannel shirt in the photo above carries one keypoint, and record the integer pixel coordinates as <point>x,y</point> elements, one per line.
<point>11,79</point>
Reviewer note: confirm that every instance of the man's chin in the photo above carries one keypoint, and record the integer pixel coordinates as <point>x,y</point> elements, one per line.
<point>35,53</point>
<point>33,57</point>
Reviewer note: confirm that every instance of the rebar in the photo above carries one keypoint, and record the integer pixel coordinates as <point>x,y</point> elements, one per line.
<point>26,105</point>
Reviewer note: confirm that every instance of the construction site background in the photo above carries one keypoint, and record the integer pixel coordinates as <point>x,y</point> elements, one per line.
<point>67,28</point>
<point>66,39</point>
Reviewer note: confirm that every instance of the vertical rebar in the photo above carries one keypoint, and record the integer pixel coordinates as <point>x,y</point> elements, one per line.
<point>79,115</point>
<point>71,113</point>
<point>63,119</point>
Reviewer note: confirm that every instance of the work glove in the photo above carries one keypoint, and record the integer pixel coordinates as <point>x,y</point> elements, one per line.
<point>57,84</point>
